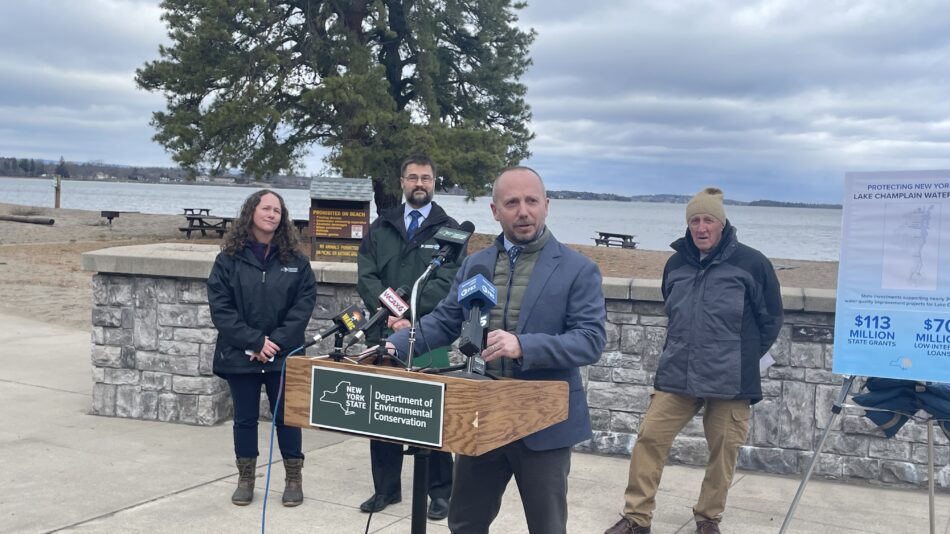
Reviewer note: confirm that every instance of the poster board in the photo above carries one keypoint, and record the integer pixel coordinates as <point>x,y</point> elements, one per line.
<point>892,316</point>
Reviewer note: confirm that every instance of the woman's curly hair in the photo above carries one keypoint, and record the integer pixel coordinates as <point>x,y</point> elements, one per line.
<point>285,238</point>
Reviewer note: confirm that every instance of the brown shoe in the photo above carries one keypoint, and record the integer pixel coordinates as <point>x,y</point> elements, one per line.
<point>707,527</point>
<point>627,526</point>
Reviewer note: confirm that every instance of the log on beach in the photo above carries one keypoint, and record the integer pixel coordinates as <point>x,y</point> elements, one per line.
<point>30,220</point>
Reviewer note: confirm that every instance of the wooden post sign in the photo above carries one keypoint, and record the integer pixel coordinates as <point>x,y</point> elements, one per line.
<point>339,217</point>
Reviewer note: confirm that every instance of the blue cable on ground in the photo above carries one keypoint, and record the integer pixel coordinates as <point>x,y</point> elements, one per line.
<point>273,430</point>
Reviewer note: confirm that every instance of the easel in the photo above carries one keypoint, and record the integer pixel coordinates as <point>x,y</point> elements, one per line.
<point>836,409</point>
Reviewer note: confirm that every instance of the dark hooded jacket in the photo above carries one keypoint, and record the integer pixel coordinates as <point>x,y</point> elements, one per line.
<point>388,259</point>
<point>250,300</point>
<point>725,311</point>
<point>899,400</point>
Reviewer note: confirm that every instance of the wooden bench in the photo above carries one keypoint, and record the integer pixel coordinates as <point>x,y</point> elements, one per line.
<point>112,214</point>
<point>220,225</point>
<point>197,211</point>
<point>205,224</point>
<point>610,239</point>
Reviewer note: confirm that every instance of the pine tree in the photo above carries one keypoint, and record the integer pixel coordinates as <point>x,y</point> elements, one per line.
<point>61,168</point>
<point>255,83</point>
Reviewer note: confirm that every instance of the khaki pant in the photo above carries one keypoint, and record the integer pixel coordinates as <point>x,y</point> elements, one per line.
<point>726,425</point>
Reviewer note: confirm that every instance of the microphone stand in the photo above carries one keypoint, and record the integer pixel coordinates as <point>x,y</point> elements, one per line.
<point>420,456</point>
<point>420,464</point>
<point>474,370</point>
<point>337,353</point>
<point>413,303</point>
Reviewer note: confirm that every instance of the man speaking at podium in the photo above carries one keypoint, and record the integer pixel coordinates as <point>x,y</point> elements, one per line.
<point>395,251</point>
<point>548,322</point>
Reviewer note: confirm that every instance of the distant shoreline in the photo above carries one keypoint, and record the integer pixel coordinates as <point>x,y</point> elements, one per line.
<point>683,199</point>
<point>556,194</point>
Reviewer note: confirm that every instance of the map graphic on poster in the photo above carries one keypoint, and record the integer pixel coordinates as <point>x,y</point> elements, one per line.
<point>910,255</point>
<point>892,317</point>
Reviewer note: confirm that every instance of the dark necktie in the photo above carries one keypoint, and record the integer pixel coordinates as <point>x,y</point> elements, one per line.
<point>513,256</point>
<point>414,224</point>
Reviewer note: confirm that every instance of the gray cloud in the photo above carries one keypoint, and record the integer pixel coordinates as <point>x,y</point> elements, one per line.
<point>68,84</point>
<point>769,99</point>
<point>793,93</point>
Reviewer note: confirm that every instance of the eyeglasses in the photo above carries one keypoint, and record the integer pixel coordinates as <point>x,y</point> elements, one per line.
<point>425,178</point>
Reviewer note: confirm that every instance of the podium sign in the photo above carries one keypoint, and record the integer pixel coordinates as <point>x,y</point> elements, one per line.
<point>387,407</point>
<point>472,417</point>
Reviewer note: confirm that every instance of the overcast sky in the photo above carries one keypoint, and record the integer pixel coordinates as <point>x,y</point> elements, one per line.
<point>769,99</point>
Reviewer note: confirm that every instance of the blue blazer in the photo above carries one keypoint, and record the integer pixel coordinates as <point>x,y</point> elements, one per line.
<point>560,327</point>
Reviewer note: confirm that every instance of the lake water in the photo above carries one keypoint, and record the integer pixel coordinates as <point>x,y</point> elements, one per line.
<point>796,233</point>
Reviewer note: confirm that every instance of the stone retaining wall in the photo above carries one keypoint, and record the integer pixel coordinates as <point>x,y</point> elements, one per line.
<point>152,344</point>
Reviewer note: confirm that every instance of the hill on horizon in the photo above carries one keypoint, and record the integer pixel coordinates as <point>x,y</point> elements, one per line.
<point>683,199</point>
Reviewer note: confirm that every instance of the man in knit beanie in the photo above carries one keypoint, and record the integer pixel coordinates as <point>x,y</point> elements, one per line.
<point>725,311</point>
<point>706,219</point>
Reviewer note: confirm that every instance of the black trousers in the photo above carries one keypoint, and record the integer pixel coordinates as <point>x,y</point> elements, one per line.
<point>246,396</point>
<point>386,459</point>
<point>480,482</point>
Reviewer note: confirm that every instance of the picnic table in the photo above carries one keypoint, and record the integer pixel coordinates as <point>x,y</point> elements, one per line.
<point>197,211</point>
<point>610,239</point>
<point>205,224</point>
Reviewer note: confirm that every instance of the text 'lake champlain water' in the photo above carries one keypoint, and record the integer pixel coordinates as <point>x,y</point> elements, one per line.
<point>794,233</point>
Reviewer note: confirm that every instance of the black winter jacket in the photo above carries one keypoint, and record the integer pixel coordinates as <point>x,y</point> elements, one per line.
<point>724,314</point>
<point>249,301</point>
<point>387,259</point>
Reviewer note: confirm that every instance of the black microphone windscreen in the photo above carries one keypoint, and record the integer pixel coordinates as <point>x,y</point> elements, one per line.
<point>453,236</point>
<point>467,226</point>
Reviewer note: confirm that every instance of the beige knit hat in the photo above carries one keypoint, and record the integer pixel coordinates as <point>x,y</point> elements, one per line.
<point>708,201</point>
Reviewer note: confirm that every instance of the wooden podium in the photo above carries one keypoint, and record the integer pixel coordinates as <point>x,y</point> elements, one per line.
<point>478,415</point>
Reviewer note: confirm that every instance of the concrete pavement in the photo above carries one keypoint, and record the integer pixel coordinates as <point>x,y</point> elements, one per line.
<point>66,471</point>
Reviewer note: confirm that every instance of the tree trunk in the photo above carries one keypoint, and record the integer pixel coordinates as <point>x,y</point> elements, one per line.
<point>384,199</point>
<point>30,220</point>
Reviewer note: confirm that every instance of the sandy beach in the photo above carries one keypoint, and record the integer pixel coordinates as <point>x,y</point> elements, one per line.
<point>40,275</point>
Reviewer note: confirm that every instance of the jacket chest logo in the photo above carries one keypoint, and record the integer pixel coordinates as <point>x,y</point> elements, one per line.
<point>288,269</point>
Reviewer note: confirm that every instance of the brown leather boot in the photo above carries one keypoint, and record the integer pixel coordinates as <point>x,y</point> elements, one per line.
<point>293,482</point>
<point>247,471</point>
<point>627,526</point>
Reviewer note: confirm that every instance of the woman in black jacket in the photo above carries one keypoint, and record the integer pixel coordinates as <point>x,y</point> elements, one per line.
<point>261,292</point>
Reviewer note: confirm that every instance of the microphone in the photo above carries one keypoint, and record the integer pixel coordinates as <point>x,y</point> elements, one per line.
<point>477,295</point>
<point>350,319</point>
<point>393,303</point>
<point>453,241</point>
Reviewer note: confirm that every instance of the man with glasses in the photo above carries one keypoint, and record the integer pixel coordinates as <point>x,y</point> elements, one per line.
<point>396,251</point>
